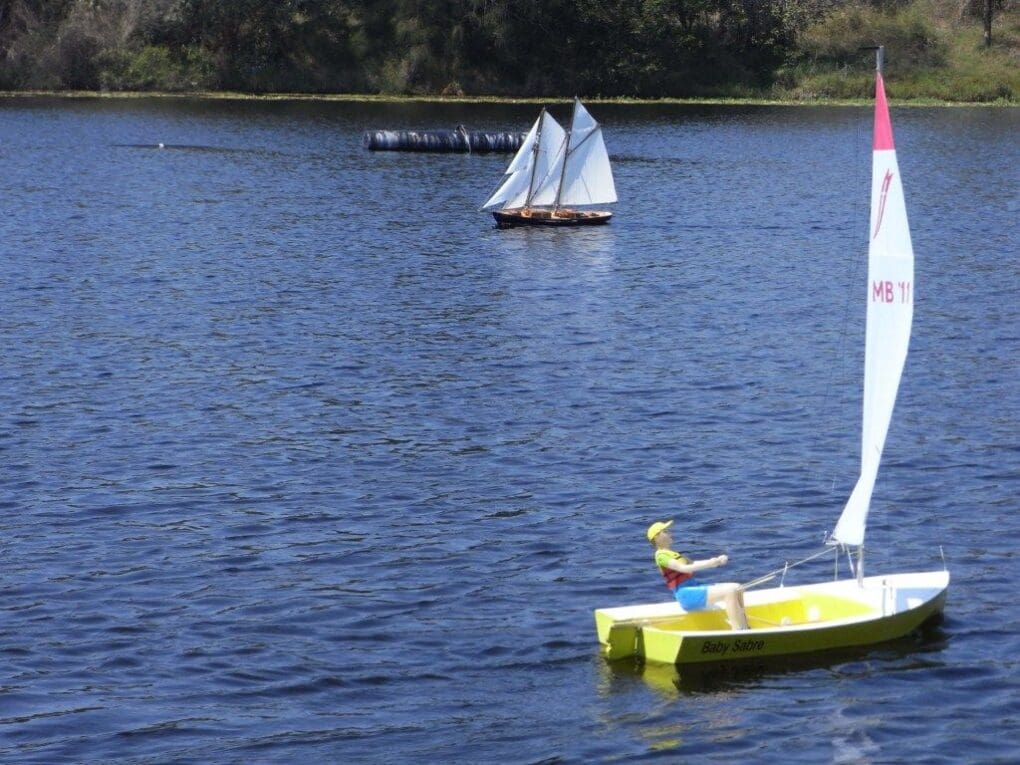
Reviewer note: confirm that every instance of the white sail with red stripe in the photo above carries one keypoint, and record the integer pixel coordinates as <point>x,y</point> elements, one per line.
<point>843,613</point>
<point>890,310</point>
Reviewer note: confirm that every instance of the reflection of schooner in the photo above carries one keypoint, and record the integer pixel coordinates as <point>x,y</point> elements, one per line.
<point>555,171</point>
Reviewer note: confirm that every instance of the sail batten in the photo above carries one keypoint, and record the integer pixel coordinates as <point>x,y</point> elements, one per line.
<point>890,307</point>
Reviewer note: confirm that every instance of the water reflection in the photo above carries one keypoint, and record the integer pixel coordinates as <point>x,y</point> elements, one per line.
<point>851,742</point>
<point>593,246</point>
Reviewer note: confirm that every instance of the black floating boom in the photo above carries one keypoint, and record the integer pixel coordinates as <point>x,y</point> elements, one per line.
<point>459,140</point>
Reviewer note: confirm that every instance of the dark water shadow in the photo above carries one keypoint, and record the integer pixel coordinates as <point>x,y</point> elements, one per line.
<point>184,147</point>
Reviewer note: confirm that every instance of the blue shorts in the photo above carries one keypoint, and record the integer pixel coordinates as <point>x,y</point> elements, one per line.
<point>691,597</point>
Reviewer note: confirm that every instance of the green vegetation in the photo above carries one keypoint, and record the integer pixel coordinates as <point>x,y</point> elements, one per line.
<point>934,51</point>
<point>800,50</point>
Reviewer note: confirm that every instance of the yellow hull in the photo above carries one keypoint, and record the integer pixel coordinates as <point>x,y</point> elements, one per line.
<point>783,621</point>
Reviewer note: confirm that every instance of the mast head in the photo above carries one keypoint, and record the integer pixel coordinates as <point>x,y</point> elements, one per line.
<point>879,56</point>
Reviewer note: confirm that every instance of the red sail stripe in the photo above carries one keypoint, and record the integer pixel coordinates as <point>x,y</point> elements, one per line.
<point>883,128</point>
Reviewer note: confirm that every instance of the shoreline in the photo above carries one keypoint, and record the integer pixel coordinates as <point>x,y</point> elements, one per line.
<point>397,99</point>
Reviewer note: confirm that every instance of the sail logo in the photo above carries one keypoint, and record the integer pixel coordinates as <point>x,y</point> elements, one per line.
<point>881,205</point>
<point>890,292</point>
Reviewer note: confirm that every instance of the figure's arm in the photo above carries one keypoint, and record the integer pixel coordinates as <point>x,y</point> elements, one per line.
<point>692,567</point>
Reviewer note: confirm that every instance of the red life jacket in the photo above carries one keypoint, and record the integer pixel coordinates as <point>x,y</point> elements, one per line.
<point>673,578</point>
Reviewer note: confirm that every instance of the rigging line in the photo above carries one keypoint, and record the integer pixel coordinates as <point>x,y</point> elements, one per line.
<point>566,154</point>
<point>863,170</point>
<point>540,187</point>
<point>587,191</point>
<point>534,157</point>
<point>773,574</point>
<point>584,183</point>
<point>581,143</point>
<point>850,560</point>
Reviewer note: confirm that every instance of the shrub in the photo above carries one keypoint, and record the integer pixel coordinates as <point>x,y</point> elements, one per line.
<point>907,32</point>
<point>157,68</point>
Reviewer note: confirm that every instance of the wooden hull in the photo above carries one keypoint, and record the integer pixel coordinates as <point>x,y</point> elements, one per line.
<point>784,621</point>
<point>562,217</point>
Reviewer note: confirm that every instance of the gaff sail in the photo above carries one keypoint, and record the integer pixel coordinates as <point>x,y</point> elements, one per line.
<point>587,175</point>
<point>580,174</point>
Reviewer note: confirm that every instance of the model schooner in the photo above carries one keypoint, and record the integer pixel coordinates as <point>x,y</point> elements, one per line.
<point>843,613</point>
<point>554,173</point>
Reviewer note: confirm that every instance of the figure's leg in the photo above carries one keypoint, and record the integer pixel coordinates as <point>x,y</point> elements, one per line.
<point>733,599</point>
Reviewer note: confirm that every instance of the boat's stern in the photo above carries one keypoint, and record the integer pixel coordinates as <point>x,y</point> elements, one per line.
<point>625,631</point>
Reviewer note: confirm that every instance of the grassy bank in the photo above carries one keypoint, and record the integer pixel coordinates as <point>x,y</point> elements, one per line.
<point>934,54</point>
<point>659,52</point>
<point>789,99</point>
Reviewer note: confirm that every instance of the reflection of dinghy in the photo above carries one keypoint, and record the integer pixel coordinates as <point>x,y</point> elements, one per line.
<point>555,172</point>
<point>844,613</point>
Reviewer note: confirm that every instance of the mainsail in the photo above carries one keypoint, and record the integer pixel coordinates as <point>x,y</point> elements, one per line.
<point>587,176</point>
<point>538,157</point>
<point>889,316</point>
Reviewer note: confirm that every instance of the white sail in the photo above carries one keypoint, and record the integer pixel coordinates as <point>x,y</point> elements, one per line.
<point>555,168</point>
<point>518,172</point>
<point>584,177</point>
<point>889,316</point>
<point>547,165</point>
<point>587,175</point>
<point>535,161</point>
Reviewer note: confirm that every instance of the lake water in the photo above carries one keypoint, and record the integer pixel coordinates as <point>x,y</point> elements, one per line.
<point>303,460</point>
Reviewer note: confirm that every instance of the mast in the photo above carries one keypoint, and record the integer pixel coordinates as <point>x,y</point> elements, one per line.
<point>879,63</point>
<point>585,176</point>
<point>534,159</point>
<point>879,56</point>
<point>566,154</point>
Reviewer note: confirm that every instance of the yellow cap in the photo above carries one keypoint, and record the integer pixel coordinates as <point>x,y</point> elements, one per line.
<point>657,528</point>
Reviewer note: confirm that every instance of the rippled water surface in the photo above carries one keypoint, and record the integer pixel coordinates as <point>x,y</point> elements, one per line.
<point>303,460</point>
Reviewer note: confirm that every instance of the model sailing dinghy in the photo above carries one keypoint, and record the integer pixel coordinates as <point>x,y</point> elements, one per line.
<point>843,613</point>
<point>554,173</point>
